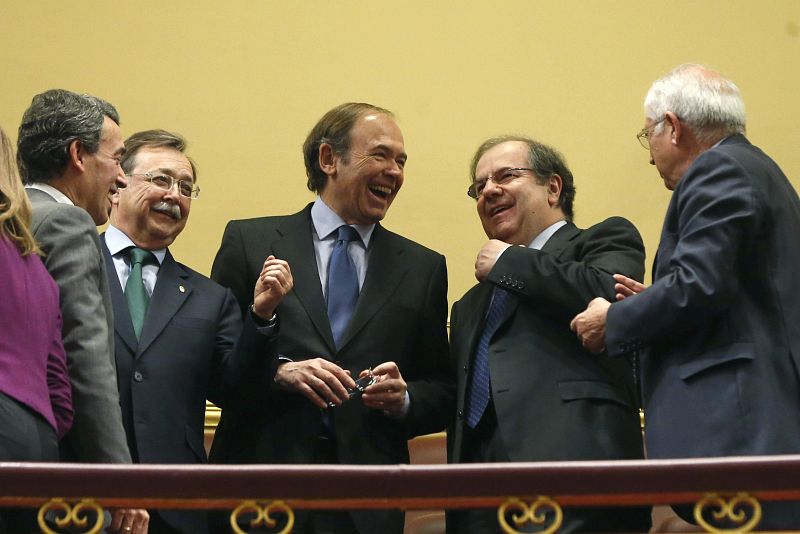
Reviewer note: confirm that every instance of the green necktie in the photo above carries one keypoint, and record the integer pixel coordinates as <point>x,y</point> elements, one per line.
<point>135,292</point>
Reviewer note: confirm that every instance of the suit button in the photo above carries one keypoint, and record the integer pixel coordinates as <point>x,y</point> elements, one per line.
<point>466,369</point>
<point>460,414</point>
<point>137,376</point>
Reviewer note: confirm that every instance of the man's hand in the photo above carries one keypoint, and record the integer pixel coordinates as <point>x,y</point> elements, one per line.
<point>274,282</point>
<point>590,325</point>
<point>627,287</point>
<point>129,521</point>
<point>389,390</point>
<point>318,379</point>
<point>487,257</point>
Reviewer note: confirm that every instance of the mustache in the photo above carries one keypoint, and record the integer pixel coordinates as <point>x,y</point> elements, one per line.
<point>169,209</point>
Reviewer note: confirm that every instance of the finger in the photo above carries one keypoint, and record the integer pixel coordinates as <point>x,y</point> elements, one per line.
<point>116,520</point>
<point>573,324</point>
<point>312,395</point>
<point>341,376</point>
<point>387,368</point>
<point>330,390</point>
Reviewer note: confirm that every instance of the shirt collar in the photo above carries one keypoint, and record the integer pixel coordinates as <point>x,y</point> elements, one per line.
<point>540,240</point>
<point>57,195</point>
<point>326,221</point>
<point>117,241</point>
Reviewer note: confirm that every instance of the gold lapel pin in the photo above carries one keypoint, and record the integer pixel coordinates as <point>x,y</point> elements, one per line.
<point>182,289</point>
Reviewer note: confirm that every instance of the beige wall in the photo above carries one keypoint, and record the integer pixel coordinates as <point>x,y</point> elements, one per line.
<point>245,80</point>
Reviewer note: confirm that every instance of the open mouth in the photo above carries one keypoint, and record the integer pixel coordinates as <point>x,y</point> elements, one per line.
<point>381,191</point>
<point>498,209</point>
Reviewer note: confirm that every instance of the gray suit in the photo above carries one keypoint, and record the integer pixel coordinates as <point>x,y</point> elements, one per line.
<point>68,237</point>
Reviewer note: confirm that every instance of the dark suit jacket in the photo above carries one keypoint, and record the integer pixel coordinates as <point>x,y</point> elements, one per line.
<point>553,399</point>
<point>68,237</point>
<point>400,317</point>
<point>718,329</point>
<point>193,347</point>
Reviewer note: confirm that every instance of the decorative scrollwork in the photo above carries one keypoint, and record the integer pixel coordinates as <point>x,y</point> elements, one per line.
<point>65,515</point>
<point>263,515</point>
<point>733,511</point>
<point>535,514</point>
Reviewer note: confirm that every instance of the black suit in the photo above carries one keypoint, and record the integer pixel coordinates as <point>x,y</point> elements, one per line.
<point>718,329</point>
<point>400,317</point>
<point>551,399</point>
<point>192,348</point>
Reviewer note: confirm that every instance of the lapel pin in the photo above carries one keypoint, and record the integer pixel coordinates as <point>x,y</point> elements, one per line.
<point>182,289</point>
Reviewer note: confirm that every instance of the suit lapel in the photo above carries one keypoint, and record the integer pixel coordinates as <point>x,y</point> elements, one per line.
<point>561,239</point>
<point>171,291</point>
<point>123,325</point>
<point>385,272</point>
<point>296,246</point>
<point>477,307</point>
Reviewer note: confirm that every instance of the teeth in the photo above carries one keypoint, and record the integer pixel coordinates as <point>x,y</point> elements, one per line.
<point>381,189</point>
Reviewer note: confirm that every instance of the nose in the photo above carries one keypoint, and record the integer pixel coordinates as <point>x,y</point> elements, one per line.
<point>122,180</point>
<point>173,193</point>
<point>490,188</point>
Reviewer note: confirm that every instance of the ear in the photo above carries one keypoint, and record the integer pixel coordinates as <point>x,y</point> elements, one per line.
<point>328,159</point>
<point>554,186</point>
<point>76,154</point>
<point>677,128</point>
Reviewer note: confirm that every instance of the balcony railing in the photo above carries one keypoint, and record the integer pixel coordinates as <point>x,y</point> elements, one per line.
<point>729,486</point>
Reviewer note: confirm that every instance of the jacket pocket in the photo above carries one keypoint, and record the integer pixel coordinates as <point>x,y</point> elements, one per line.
<point>590,389</point>
<point>714,357</point>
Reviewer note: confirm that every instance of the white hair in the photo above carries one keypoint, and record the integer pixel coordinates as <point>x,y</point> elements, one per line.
<point>701,98</point>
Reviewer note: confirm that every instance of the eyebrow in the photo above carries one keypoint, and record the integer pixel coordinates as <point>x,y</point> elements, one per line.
<point>171,172</point>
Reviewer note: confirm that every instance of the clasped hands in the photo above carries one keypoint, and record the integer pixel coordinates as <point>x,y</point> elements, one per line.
<point>590,324</point>
<point>324,383</point>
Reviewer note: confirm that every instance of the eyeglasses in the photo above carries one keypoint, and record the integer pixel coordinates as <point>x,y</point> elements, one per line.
<point>502,176</point>
<point>162,181</point>
<point>644,134</point>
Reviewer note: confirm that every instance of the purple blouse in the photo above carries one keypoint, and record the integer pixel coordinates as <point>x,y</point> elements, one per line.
<point>33,364</point>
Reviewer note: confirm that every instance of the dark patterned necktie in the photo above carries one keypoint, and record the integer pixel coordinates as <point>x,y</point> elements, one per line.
<point>135,292</point>
<point>480,386</point>
<point>342,290</point>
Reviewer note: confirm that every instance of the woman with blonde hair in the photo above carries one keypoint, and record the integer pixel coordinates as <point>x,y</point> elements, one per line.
<point>35,392</point>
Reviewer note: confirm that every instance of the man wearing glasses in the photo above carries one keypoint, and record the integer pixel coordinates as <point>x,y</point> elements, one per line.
<point>717,332</point>
<point>180,338</point>
<point>526,388</point>
<point>365,298</point>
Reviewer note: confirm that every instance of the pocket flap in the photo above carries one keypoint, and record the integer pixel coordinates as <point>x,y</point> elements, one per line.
<point>590,389</point>
<point>714,357</point>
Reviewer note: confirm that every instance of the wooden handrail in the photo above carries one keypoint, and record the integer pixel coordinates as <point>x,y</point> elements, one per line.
<point>766,478</point>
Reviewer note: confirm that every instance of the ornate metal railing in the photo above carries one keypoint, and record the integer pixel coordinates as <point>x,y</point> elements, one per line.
<point>731,488</point>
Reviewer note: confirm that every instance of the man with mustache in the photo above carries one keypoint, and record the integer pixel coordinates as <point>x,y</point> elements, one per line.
<point>180,338</point>
<point>365,298</point>
<point>69,149</point>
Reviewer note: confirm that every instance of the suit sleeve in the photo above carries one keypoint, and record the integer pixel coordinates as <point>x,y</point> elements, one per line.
<point>244,355</point>
<point>69,239</point>
<point>431,386</point>
<point>230,267</point>
<point>58,384</point>
<point>565,287</point>
<point>717,217</point>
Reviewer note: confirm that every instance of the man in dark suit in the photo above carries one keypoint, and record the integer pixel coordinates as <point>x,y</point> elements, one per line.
<point>717,332</point>
<point>526,389</point>
<point>395,326</point>
<point>69,149</point>
<point>188,342</point>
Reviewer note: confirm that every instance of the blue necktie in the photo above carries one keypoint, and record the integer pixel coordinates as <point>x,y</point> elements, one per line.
<point>342,283</point>
<point>135,292</point>
<point>479,388</point>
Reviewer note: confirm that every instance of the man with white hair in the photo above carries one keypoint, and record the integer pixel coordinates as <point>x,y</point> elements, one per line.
<point>716,333</point>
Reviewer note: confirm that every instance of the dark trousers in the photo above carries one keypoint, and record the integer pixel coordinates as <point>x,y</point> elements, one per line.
<point>485,444</point>
<point>25,436</point>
